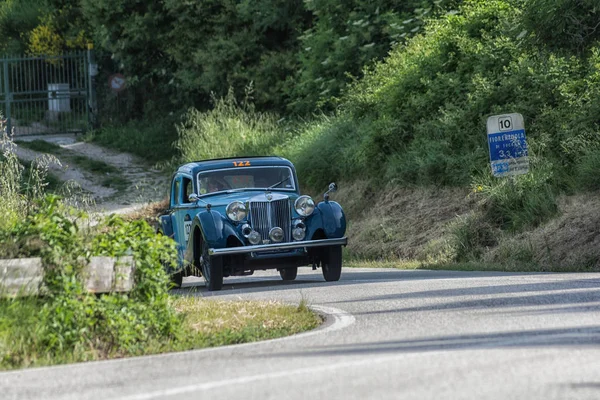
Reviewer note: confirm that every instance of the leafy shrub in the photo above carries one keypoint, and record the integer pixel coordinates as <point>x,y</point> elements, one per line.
<point>17,18</point>
<point>344,37</point>
<point>77,322</point>
<point>419,117</point>
<point>44,40</point>
<point>70,320</point>
<point>568,24</point>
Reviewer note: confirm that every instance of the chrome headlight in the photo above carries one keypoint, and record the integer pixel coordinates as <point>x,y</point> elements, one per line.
<point>304,206</point>
<point>236,211</point>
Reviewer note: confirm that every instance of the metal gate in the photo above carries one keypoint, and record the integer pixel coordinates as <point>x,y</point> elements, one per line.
<point>45,95</point>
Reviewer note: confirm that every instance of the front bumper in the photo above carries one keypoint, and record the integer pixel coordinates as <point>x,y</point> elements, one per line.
<point>278,246</point>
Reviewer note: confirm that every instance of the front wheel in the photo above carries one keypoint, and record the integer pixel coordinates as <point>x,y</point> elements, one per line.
<point>212,269</point>
<point>288,274</point>
<point>331,263</point>
<point>177,279</point>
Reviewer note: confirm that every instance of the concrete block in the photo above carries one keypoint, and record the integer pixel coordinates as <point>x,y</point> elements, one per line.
<point>20,277</point>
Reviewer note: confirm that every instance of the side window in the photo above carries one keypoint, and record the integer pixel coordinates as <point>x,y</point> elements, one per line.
<point>175,192</point>
<point>187,188</point>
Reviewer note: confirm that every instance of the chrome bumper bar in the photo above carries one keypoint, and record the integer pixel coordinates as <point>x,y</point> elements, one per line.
<point>278,246</point>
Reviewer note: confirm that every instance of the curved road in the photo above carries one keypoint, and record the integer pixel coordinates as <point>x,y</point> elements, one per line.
<point>390,334</point>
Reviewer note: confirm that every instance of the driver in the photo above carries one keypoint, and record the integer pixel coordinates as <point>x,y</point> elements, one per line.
<point>216,185</point>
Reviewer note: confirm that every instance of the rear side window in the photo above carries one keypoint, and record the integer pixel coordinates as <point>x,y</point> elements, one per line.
<point>187,188</point>
<point>175,193</point>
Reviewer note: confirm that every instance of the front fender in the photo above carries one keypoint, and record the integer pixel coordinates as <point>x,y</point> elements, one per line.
<point>334,219</point>
<point>329,217</point>
<point>214,228</point>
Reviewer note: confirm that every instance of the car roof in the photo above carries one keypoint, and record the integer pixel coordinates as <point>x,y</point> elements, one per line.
<point>219,163</point>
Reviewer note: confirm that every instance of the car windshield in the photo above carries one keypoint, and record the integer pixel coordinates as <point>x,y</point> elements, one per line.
<point>222,180</point>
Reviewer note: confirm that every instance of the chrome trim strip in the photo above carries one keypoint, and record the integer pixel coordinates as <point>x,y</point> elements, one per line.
<point>279,246</point>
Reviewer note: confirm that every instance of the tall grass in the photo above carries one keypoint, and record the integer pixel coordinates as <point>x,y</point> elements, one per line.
<point>151,140</point>
<point>231,128</point>
<point>20,187</point>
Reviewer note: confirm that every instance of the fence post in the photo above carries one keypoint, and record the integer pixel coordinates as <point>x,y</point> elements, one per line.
<point>7,98</point>
<point>92,72</point>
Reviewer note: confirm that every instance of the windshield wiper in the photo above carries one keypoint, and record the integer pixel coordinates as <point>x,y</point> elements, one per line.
<point>279,183</point>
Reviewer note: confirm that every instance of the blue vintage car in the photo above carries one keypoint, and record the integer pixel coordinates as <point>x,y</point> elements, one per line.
<point>233,216</point>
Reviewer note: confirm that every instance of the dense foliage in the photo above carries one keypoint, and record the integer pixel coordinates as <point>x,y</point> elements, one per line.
<point>419,117</point>
<point>347,36</point>
<point>297,54</point>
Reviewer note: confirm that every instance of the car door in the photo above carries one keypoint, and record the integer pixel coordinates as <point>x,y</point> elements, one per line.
<point>184,211</point>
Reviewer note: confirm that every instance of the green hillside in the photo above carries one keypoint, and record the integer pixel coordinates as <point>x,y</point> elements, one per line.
<point>418,118</point>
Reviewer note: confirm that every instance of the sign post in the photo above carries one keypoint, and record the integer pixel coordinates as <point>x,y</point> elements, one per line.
<point>507,144</point>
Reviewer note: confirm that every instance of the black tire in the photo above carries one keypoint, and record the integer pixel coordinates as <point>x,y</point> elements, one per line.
<point>331,263</point>
<point>288,274</point>
<point>177,279</point>
<point>212,269</point>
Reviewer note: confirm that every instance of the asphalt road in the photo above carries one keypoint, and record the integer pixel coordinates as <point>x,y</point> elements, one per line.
<point>389,335</point>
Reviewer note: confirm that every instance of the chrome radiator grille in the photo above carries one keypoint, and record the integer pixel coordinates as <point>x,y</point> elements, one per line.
<point>265,215</point>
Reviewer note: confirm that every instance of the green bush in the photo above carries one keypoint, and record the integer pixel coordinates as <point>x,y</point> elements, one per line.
<point>70,323</point>
<point>344,37</point>
<point>567,24</point>
<point>76,322</point>
<point>419,117</point>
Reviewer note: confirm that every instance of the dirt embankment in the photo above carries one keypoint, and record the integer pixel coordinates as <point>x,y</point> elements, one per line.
<point>419,224</point>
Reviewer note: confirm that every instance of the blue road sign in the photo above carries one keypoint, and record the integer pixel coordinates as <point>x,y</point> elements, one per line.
<point>507,145</point>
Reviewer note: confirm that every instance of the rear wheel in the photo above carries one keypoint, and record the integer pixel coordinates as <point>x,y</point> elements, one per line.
<point>212,269</point>
<point>288,274</point>
<point>331,263</point>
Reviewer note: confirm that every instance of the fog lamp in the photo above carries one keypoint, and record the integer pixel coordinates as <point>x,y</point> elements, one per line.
<point>254,238</point>
<point>276,234</point>
<point>298,233</point>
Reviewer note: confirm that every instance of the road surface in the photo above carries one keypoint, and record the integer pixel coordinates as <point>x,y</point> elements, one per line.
<point>389,334</point>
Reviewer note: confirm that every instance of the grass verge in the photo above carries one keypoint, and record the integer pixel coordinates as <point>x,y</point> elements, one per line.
<point>206,323</point>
